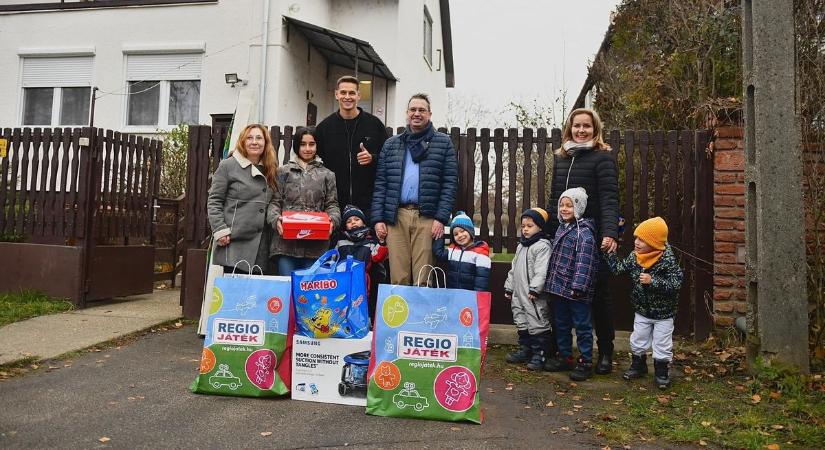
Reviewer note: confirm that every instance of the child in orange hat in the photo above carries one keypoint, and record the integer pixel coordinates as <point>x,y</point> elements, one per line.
<point>656,278</point>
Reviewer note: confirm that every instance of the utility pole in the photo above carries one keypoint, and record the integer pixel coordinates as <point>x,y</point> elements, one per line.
<point>774,212</point>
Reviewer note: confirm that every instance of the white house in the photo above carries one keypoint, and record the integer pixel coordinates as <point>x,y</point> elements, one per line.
<point>155,63</point>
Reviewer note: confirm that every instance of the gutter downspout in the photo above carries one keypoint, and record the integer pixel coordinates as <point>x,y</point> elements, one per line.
<point>264,48</point>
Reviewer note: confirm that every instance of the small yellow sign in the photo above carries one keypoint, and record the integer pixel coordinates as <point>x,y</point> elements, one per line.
<point>4,145</point>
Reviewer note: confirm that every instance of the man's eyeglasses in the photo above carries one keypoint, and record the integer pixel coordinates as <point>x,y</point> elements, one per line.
<point>418,110</point>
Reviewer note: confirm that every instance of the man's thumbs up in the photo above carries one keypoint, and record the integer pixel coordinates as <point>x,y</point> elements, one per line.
<point>364,157</point>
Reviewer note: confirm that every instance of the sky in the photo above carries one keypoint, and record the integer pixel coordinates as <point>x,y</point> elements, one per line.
<point>523,50</point>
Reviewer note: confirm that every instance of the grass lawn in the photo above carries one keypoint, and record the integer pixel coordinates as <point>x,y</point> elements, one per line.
<point>714,401</point>
<point>24,305</point>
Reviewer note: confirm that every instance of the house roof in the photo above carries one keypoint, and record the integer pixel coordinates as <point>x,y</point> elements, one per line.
<point>447,42</point>
<point>342,50</point>
<point>590,81</point>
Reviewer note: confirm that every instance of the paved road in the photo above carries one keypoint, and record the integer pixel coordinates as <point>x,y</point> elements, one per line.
<point>137,397</point>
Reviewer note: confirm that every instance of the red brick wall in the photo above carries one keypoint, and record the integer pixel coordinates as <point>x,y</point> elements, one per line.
<point>729,294</point>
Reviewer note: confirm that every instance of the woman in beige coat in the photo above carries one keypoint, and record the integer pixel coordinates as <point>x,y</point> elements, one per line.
<point>242,187</point>
<point>303,184</point>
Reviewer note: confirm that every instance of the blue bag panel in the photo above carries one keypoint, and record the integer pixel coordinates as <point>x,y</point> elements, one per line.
<point>330,298</point>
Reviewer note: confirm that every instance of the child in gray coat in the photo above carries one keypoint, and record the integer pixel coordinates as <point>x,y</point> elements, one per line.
<point>524,287</point>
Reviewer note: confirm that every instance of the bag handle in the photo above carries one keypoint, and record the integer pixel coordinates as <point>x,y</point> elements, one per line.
<point>329,255</point>
<point>433,271</point>
<point>251,267</point>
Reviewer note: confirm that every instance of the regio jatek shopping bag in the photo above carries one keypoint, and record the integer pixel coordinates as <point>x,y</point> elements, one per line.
<point>428,349</point>
<point>247,348</point>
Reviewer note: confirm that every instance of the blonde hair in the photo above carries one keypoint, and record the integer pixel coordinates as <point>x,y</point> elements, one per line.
<point>268,158</point>
<point>567,132</point>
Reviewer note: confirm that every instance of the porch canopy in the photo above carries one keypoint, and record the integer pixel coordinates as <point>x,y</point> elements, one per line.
<point>342,50</point>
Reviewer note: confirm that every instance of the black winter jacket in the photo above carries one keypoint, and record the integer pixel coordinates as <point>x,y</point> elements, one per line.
<point>338,144</point>
<point>595,171</point>
<point>437,181</point>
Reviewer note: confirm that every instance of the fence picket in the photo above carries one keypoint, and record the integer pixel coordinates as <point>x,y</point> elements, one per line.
<point>484,204</point>
<point>658,149</point>
<point>629,141</point>
<point>498,208</point>
<point>541,167</point>
<point>5,179</point>
<point>644,207</point>
<point>527,170</point>
<point>469,200</point>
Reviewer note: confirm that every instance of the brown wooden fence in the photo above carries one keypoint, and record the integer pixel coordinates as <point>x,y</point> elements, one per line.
<point>57,183</point>
<point>88,190</point>
<point>502,172</point>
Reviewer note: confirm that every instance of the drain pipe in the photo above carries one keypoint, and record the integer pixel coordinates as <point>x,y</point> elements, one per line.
<point>264,48</point>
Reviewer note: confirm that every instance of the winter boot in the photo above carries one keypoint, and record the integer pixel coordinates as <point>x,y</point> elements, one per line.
<point>523,354</point>
<point>559,364</point>
<point>604,364</point>
<point>582,371</point>
<point>638,367</point>
<point>660,368</point>
<point>539,344</point>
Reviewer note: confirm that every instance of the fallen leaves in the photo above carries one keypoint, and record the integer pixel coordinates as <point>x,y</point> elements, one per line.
<point>772,446</point>
<point>266,433</point>
<point>756,398</point>
<point>550,404</point>
<point>103,440</point>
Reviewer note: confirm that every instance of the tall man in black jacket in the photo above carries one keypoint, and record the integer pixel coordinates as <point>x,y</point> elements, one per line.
<point>349,141</point>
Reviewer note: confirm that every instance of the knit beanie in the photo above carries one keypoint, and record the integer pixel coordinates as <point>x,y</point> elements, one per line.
<point>654,232</point>
<point>579,198</point>
<point>462,220</point>
<point>538,215</point>
<point>352,210</point>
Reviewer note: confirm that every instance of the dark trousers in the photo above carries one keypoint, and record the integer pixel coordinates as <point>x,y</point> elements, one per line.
<point>568,314</point>
<point>602,309</point>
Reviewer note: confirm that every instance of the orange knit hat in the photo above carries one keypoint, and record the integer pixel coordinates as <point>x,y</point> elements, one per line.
<point>653,231</point>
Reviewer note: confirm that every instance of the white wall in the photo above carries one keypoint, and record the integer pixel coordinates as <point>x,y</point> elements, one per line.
<point>109,31</point>
<point>229,34</point>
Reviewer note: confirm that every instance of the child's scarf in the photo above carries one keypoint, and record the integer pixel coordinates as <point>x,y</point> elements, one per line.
<point>647,260</point>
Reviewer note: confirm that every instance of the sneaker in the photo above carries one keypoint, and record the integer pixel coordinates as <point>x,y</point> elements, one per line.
<point>582,371</point>
<point>559,364</point>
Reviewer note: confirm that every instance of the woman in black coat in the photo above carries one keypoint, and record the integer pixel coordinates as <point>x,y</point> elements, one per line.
<point>584,160</point>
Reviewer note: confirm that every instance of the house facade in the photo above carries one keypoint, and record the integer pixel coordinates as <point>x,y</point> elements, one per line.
<point>152,64</point>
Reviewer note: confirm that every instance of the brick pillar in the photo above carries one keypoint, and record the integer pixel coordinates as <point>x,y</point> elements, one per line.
<point>729,285</point>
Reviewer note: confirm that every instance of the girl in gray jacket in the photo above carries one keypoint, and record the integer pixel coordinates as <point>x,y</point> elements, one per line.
<point>304,184</point>
<point>525,286</point>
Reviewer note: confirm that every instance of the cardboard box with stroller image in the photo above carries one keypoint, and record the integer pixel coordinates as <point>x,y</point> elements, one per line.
<point>330,370</point>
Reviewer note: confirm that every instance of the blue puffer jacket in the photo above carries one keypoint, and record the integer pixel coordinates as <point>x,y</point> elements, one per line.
<point>437,182</point>
<point>467,268</point>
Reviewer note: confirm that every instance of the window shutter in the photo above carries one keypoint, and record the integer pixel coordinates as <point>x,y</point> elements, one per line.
<point>57,71</point>
<point>177,66</point>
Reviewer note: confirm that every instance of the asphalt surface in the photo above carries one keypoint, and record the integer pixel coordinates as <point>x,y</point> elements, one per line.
<point>136,396</point>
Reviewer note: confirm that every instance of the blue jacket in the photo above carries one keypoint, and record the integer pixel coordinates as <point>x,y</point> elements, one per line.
<point>437,183</point>
<point>467,268</point>
<point>574,262</point>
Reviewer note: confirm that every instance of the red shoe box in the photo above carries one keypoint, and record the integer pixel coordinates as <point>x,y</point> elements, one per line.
<point>305,225</point>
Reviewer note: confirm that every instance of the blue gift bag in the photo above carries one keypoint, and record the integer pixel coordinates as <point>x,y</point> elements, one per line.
<point>330,298</point>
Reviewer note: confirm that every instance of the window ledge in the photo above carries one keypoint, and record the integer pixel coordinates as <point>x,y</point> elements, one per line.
<point>177,47</point>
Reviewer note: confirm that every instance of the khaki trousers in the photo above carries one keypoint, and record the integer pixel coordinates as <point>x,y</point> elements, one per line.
<point>410,244</point>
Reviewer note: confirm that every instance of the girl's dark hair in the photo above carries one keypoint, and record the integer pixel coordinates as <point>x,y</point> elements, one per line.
<point>299,134</point>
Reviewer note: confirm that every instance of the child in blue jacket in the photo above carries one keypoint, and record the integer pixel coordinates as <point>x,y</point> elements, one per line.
<point>571,284</point>
<point>468,259</point>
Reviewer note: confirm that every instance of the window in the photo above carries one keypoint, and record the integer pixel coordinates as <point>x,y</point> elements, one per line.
<point>164,89</point>
<point>56,90</point>
<point>428,37</point>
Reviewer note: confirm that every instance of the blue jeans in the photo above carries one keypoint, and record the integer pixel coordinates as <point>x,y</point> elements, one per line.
<point>573,314</point>
<point>286,264</point>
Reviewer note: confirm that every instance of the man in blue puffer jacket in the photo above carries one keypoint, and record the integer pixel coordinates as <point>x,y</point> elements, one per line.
<point>415,188</point>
